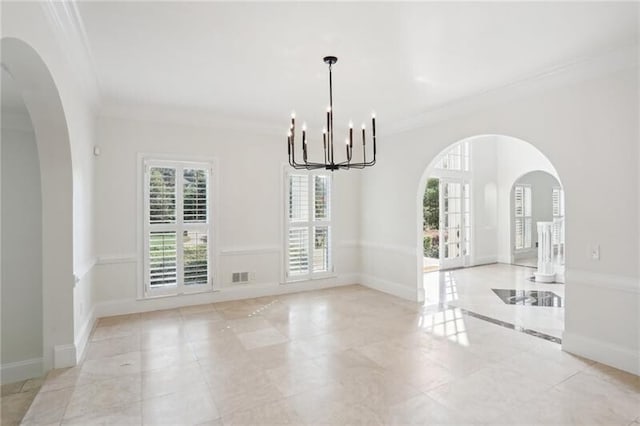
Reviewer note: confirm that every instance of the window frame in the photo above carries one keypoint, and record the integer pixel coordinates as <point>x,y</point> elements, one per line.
<point>310,224</point>
<point>146,162</point>
<point>464,157</point>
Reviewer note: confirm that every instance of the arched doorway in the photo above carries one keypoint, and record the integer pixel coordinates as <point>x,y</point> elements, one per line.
<point>537,200</point>
<point>38,91</point>
<point>475,227</point>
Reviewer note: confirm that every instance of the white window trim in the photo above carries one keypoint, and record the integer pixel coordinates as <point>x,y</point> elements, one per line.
<point>148,159</point>
<point>284,214</point>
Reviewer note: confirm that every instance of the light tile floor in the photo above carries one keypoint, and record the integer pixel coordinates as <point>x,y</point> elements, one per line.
<point>16,399</point>
<point>470,289</point>
<point>346,355</point>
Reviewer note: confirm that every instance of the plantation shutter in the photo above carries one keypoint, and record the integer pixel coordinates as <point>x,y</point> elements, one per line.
<point>195,237</point>
<point>177,226</point>
<point>523,219</point>
<point>321,215</point>
<point>527,217</point>
<point>299,198</point>
<point>308,225</point>
<point>162,243</point>
<point>298,251</point>
<point>557,199</point>
<point>298,231</point>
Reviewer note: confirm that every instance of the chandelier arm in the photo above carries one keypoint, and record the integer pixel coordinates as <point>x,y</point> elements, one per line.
<point>324,145</point>
<point>328,142</point>
<point>292,154</point>
<point>311,166</point>
<point>305,165</point>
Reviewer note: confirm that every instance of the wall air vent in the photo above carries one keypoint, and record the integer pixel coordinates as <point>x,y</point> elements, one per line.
<point>240,277</point>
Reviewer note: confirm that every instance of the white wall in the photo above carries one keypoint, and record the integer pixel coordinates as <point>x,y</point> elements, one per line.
<point>62,111</point>
<point>21,251</point>
<point>542,185</point>
<point>484,198</point>
<point>587,126</point>
<point>248,208</point>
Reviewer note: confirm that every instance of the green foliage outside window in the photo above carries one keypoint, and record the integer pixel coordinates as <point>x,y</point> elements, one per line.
<point>431,215</point>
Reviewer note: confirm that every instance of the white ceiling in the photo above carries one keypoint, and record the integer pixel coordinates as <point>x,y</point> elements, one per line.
<point>261,60</point>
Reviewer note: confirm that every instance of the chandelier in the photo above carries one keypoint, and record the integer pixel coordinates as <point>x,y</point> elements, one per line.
<point>327,140</point>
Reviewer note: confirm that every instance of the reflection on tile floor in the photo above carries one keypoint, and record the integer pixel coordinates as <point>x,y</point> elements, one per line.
<point>337,356</point>
<point>472,289</point>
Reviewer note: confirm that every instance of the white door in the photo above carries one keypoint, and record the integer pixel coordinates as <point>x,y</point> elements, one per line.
<point>455,223</point>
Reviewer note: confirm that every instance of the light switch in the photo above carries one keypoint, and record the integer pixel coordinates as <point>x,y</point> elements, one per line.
<point>595,252</point>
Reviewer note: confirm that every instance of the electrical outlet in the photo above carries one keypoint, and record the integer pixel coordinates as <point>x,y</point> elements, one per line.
<point>595,251</point>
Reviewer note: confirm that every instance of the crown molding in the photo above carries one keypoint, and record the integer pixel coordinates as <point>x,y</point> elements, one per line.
<point>583,69</point>
<point>580,70</point>
<point>70,34</point>
<point>188,116</point>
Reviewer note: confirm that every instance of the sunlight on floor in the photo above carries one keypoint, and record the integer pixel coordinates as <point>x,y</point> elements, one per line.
<point>440,287</point>
<point>448,323</point>
<point>474,291</point>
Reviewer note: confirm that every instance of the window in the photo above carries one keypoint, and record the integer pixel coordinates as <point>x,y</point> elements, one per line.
<point>557,201</point>
<point>177,227</point>
<point>308,226</point>
<point>457,158</point>
<point>522,207</point>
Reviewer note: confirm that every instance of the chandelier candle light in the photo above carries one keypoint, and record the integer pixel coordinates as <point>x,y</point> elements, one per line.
<point>327,139</point>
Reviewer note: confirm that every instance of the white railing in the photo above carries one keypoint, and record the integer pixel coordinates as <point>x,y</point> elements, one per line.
<point>550,251</point>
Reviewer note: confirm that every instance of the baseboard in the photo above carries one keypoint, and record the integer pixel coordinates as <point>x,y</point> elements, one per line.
<point>523,254</point>
<point>64,356</point>
<point>606,353</point>
<point>390,287</point>
<point>21,370</point>
<point>83,337</point>
<point>484,260</point>
<point>239,292</point>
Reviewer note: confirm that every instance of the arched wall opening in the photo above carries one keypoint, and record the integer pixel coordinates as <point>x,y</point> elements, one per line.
<point>496,162</point>
<point>21,315</point>
<point>536,196</point>
<point>45,110</point>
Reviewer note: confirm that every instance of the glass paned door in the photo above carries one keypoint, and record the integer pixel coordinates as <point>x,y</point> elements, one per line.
<point>454,223</point>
